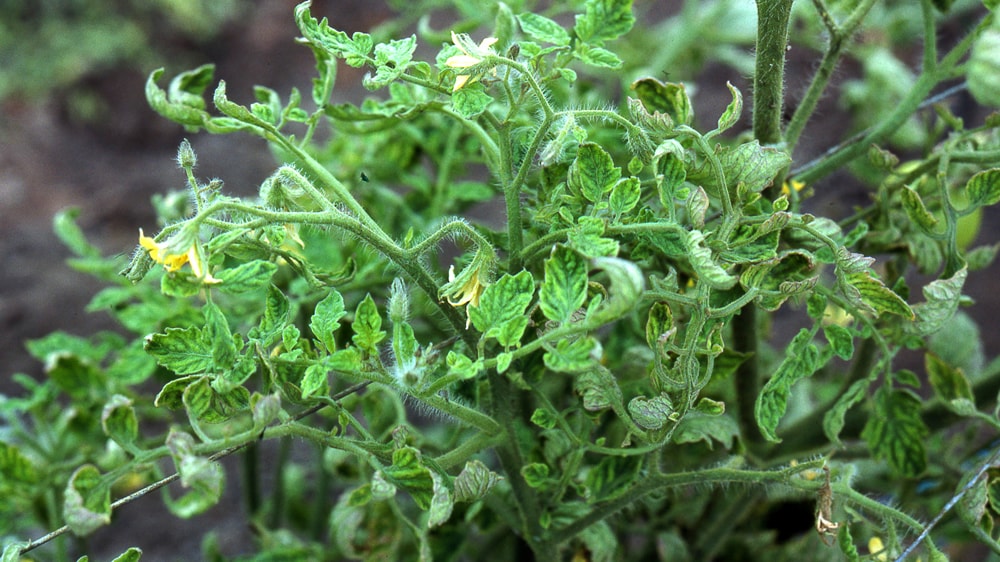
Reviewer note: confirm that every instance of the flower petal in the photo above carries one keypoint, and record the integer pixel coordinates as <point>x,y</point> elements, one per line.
<point>462,61</point>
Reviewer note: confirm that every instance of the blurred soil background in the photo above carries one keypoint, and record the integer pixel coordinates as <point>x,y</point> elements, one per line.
<point>76,132</point>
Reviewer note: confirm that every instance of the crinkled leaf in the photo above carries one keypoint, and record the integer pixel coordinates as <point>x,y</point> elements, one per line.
<point>833,420</point>
<point>703,263</point>
<point>475,481</point>
<point>625,195</point>
<point>326,319</point>
<point>408,472</point>
<point>543,418</point>
<point>501,304</point>
<point>916,210</point>
<point>205,404</point>
<point>841,340</point>
<point>246,277</point>
<point>133,554</point>
<point>733,111</point>
<point>182,350</point>
<point>535,474</point>
<point>75,376</point>
<point>204,478</point>
<point>942,297</point>
<point>696,426</point>
<point>275,317</point>
<point>896,433</point>
<point>367,326</point>
<point>984,188</point>
<point>658,324</point>
<point>541,28</point>
<point>218,335</point>
<point>948,382</point>
<point>570,356</point>
<point>652,413</point>
<point>314,381</point>
<point>802,359</point>
<point>462,365</point>
<point>750,164</point>
<point>87,502</point>
<point>872,292</point>
<point>470,100</point>
<point>593,172</point>
<point>666,98</point>
<point>587,238</point>
<point>442,503</point>
<point>119,421</point>
<point>391,61</point>
<point>565,287</point>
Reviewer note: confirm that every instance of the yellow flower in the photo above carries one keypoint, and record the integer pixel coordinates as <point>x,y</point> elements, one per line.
<point>472,55</point>
<point>465,288</point>
<point>796,185</point>
<point>876,547</point>
<point>174,261</point>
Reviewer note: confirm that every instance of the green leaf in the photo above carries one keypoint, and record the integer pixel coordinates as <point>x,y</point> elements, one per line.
<point>570,356</point>
<point>942,297</point>
<point>408,472</point>
<point>565,287</point>
<point>367,326</point>
<point>896,433</point>
<point>471,100</point>
<point>802,359</point>
<point>733,111</point>
<point>625,195</point>
<point>326,319</point>
<point>15,468</point>
<point>501,304</point>
<point>984,188</point>
<point>833,420</point>
<point>220,338</point>
<point>543,418</point>
<point>119,421</point>
<point>612,477</point>
<point>541,28</point>
<point>597,56</point>
<point>354,50</point>
<point>78,378</point>
<point>133,554</point>
<point>87,501</point>
<point>846,543</point>
<point>949,383</point>
<point>873,293</point>
<point>462,365</point>
<point>314,381</point>
<point>182,350</point>
<point>246,277</point>
<point>391,61</point>
<point>604,20</point>
<point>71,235</point>
<point>593,172</point>
<point>841,340</point>
<point>475,481</point>
<point>916,211</point>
